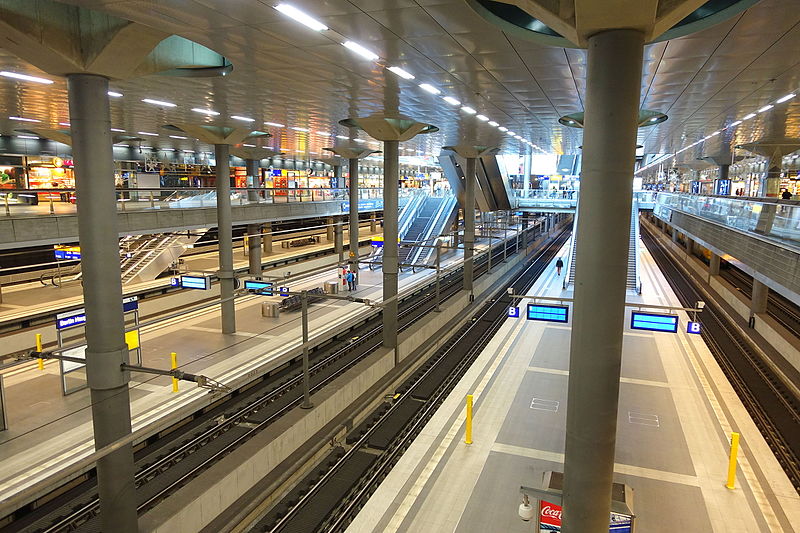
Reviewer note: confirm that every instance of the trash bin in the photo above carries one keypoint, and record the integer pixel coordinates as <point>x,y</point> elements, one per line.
<point>331,287</point>
<point>270,310</point>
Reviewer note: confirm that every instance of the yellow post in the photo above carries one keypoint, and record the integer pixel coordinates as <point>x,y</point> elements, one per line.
<point>39,349</point>
<point>732,461</point>
<point>174,357</point>
<point>468,436</point>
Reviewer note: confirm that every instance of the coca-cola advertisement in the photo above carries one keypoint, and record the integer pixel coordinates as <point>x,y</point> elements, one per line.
<point>550,519</point>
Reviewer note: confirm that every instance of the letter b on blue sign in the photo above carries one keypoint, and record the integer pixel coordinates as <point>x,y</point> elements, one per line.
<point>693,327</point>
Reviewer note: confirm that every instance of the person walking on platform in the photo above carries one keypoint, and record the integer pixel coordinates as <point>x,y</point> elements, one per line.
<point>351,281</point>
<point>559,266</point>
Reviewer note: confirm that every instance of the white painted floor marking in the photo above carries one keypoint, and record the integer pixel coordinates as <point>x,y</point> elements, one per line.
<point>545,405</point>
<point>643,419</point>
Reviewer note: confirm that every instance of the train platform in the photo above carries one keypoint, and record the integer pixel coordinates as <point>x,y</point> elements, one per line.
<point>48,430</point>
<point>24,299</point>
<point>676,413</point>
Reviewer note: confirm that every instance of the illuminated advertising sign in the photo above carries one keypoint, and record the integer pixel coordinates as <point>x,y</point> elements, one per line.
<point>550,519</point>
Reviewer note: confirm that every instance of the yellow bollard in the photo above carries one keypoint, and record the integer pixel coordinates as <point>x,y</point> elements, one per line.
<point>39,349</point>
<point>174,357</point>
<point>732,461</point>
<point>468,435</point>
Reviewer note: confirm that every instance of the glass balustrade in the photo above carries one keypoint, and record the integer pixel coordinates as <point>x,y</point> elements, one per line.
<point>776,220</point>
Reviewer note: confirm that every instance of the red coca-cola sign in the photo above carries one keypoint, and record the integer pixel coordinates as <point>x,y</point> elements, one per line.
<point>549,514</point>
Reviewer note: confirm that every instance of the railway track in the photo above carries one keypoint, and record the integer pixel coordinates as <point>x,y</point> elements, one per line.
<point>330,497</point>
<point>168,463</point>
<point>773,408</point>
<point>779,308</point>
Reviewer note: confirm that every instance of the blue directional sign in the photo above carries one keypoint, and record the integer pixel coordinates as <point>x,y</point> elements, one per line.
<point>284,291</point>
<point>262,287</point>
<point>548,313</point>
<point>654,322</point>
<point>175,282</point>
<point>513,312</point>
<point>70,319</point>
<point>196,282</point>
<point>694,327</point>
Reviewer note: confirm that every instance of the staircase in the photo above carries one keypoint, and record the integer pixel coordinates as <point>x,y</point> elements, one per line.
<point>144,257</point>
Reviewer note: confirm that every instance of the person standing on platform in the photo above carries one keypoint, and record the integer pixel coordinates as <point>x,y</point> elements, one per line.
<point>786,195</point>
<point>559,266</point>
<point>351,281</point>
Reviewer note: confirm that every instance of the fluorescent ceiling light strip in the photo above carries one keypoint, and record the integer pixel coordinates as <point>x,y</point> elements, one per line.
<point>23,119</point>
<point>28,137</point>
<point>493,123</point>
<point>468,110</point>
<point>324,133</point>
<point>243,119</point>
<point>275,124</point>
<point>177,137</point>
<point>208,112</point>
<point>484,118</point>
<point>114,94</point>
<point>344,137</point>
<point>298,128</point>
<point>360,50</point>
<point>785,98</point>
<point>249,145</point>
<point>402,73</point>
<point>158,102</point>
<point>18,76</point>
<point>429,88</point>
<point>735,123</point>
<point>67,124</point>
<point>450,100</point>
<point>766,108</point>
<point>147,133</point>
<point>748,117</point>
<point>359,140</point>
<point>502,128</point>
<point>301,17</point>
<point>118,130</point>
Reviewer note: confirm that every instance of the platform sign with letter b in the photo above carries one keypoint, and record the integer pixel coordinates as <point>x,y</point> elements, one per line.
<point>694,327</point>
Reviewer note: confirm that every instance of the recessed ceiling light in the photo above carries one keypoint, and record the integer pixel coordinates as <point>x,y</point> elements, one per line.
<point>402,73</point>
<point>28,137</point>
<point>114,94</point>
<point>177,137</point>
<point>118,130</point>
<point>484,118</point>
<point>765,108</point>
<point>502,128</point>
<point>301,17</point>
<point>23,119</point>
<point>147,133</point>
<point>18,76</point>
<point>430,88</point>
<point>493,123</point>
<point>653,119</point>
<point>158,102</point>
<point>785,98</point>
<point>360,50</point>
<point>243,119</point>
<point>450,100</point>
<point>298,128</point>
<point>748,117</point>
<point>208,112</point>
<point>275,124</point>
<point>468,110</point>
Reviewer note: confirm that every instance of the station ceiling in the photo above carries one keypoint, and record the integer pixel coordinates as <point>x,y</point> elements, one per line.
<point>287,74</point>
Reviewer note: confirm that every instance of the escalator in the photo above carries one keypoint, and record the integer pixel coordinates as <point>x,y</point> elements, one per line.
<point>145,257</point>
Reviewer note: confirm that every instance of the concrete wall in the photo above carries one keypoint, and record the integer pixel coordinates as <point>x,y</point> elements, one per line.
<point>18,232</point>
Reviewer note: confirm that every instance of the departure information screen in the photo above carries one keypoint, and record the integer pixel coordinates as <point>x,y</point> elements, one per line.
<point>202,283</point>
<point>264,287</point>
<point>548,313</point>
<point>654,322</point>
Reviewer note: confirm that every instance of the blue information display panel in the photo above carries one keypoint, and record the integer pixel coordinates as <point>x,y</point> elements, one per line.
<point>548,313</point>
<point>654,322</point>
<point>262,287</point>
<point>196,282</point>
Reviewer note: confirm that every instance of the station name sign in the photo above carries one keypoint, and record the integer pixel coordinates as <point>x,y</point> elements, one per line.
<point>77,317</point>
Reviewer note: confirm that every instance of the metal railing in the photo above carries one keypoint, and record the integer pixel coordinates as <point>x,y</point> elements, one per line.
<point>559,199</point>
<point>765,218</point>
<point>34,202</point>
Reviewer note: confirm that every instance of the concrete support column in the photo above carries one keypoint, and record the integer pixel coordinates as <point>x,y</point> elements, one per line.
<point>689,246</point>
<point>225,232</point>
<point>674,235</point>
<point>771,187</point>
<point>329,229</point>
<point>526,173</point>
<point>759,298</point>
<point>713,264</point>
<point>253,178</point>
<point>469,223</point>
<point>102,292</point>
<point>373,221</point>
<point>391,163</point>
<point>338,239</point>
<point>266,238</point>
<point>455,231</point>
<point>613,81</point>
<point>354,229</point>
<point>724,171</point>
<point>254,249</point>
